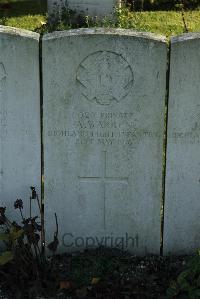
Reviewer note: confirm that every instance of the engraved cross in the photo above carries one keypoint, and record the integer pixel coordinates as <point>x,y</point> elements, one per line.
<point>104,179</point>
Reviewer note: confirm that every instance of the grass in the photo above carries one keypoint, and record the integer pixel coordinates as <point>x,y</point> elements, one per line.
<point>31,15</point>
<point>25,14</point>
<point>162,22</point>
<point>28,22</point>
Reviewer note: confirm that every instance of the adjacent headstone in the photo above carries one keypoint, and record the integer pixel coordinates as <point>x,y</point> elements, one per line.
<point>104,100</point>
<point>182,199</point>
<point>20,144</point>
<point>93,8</point>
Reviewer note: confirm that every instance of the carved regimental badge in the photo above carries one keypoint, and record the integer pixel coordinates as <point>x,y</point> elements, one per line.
<point>105,77</point>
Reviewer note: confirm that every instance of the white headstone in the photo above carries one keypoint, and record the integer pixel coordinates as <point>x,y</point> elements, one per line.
<point>104,99</point>
<point>182,203</point>
<point>85,7</point>
<point>20,144</point>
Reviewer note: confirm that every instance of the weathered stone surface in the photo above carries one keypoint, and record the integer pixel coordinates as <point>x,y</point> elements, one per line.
<point>20,144</point>
<point>182,204</point>
<point>104,99</point>
<point>85,7</point>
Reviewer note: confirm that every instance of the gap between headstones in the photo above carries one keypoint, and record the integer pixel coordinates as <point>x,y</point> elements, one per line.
<point>165,148</point>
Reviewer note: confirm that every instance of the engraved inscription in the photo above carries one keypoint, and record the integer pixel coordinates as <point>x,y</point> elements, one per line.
<point>3,110</point>
<point>2,76</point>
<point>189,137</point>
<point>103,180</point>
<point>105,77</point>
<point>190,134</point>
<point>3,124</point>
<point>104,128</point>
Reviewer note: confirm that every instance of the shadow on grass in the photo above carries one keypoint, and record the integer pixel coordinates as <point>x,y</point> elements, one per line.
<point>16,8</point>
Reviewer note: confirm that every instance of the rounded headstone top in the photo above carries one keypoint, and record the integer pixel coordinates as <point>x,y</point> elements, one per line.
<point>105,31</point>
<point>185,37</point>
<point>18,32</point>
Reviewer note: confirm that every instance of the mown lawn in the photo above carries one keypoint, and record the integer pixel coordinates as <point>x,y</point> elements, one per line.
<point>162,22</point>
<point>31,15</point>
<point>26,14</point>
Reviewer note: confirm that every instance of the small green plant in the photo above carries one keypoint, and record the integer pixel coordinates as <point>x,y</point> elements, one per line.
<point>24,267</point>
<point>62,18</point>
<point>3,21</point>
<point>130,20</point>
<point>187,284</point>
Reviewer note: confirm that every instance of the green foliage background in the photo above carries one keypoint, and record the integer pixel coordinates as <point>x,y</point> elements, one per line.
<point>163,4</point>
